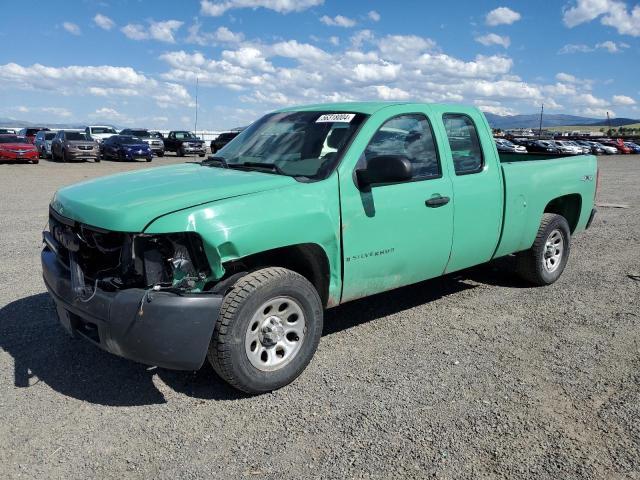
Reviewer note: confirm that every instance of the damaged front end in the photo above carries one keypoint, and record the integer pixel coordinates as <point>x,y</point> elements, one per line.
<point>136,295</point>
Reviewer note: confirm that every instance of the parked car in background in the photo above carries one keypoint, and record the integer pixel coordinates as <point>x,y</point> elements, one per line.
<point>542,146</point>
<point>43,142</point>
<point>568,148</point>
<point>100,132</point>
<point>591,146</point>
<point>30,133</point>
<point>506,146</point>
<point>125,148</point>
<point>618,144</point>
<point>635,148</point>
<point>74,145</point>
<point>17,149</point>
<point>184,143</point>
<point>585,148</point>
<point>7,131</point>
<point>221,140</point>
<point>607,149</point>
<point>153,139</point>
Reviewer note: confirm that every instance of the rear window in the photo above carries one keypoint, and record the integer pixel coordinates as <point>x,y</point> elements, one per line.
<point>49,136</point>
<point>464,143</point>
<point>139,133</point>
<point>76,136</point>
<point>11,139</point>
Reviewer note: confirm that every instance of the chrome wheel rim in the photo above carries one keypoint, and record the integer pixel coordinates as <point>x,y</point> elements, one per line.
<point>275,334</point>
<point>553,250</point>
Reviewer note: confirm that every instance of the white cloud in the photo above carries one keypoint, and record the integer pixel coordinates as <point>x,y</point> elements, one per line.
<point>162,31</point>
<point>100,81</point>
<point>612,13</point>
<point>373,16</point>
<point>300,51</point>
<point>566,77</point>
<point>502,16</point>
<point>104,22</point>
<point>72,28</point>
<point>57,111</point>
<point>222,35</point>
<point>338,21</point>
<point>612,47</point>
<point>608,45</point>
<point>623,100</point>
<point>494,39</point>
<point>334,40</point>
<point>135,31</point>
<point>387,93</point>
<point>214,8</point>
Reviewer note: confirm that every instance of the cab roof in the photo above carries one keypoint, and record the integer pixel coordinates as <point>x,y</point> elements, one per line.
<point>367,108</point>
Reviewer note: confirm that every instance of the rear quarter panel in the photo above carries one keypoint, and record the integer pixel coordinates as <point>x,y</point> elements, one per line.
<point>531,185</point>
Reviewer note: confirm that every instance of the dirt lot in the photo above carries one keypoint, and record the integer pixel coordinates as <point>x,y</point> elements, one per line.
<point>469,376</point>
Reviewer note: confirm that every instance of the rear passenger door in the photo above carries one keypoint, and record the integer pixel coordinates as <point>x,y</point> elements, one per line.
<point>398,233</point>
<point>477,188</point>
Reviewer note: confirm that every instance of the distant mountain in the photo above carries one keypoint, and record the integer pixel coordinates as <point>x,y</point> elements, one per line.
<point>615,122</point>
<point>551,120</point>
<point>12,122</point>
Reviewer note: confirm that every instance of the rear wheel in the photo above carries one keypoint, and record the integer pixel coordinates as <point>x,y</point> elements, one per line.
<point>35,162</point>
<point>267,331</point>
<point>64,156</point>
<point>545,261</point>
<point>180,152</point>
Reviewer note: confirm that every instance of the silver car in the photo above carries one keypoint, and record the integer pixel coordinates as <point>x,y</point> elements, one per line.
<point>153,139</point>
<point>43,143</point>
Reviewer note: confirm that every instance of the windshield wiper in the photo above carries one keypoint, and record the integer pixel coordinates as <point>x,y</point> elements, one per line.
<point>263,165</point>
<point>211,161</point>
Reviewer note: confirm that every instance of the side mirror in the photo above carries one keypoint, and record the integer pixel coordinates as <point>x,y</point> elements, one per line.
<point>384,169</point>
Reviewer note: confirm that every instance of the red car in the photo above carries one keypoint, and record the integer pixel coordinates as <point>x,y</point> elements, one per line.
<point>30,133</point>
<point>16,149</point>
<point>619,144</point>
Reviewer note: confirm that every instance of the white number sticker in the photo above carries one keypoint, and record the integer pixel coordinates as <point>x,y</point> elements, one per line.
<point>335,117</point>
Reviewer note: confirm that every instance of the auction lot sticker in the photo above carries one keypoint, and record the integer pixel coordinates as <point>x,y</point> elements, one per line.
<point>335,117</point>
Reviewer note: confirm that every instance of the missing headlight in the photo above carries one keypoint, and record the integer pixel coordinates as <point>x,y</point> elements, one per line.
<point>175,259</point>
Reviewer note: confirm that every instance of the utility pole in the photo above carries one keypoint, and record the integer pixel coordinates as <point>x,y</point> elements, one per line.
<point>195,127</point>
<point>609,124</point>
<point>540,128</point>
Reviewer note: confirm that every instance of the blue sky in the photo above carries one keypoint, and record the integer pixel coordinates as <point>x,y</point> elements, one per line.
<point>135,62</point>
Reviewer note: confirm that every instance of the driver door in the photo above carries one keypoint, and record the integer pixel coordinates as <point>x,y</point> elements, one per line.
<point>399,233</point>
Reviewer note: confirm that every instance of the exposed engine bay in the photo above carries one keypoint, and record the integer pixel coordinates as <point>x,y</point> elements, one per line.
<point>113,261</point>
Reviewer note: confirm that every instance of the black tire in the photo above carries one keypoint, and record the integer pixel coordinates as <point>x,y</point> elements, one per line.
<point>180,152</point>
<point>35,162</point>
<point>64,156</point>
<point>149,159</point>
<point>227,353</point>
<point>531,263</point>
<point>201,154</point>
<point>161,154</point>
<point>53,155</point>
<point>97,159</point>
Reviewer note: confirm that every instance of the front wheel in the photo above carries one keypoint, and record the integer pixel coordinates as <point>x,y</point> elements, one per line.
<point>180,152</point>
<point>544,262</point>
<point>160,154</point>
<point>267,331</point>
<point>64,156</point>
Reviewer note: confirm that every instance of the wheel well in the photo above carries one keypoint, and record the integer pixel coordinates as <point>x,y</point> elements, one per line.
<point>307,259</point>
<point>569,206</point>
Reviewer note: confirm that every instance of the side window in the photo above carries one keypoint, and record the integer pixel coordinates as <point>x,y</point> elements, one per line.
<point>464,142</point>
<point>412,137</point>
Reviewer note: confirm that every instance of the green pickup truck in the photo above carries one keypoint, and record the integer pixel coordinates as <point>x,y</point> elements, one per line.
<point>236,257</point>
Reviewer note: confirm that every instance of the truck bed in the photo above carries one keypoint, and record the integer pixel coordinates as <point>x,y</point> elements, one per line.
<point>531,181</point>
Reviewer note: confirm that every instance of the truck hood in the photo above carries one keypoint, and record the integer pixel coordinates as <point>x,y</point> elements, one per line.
<point>128,202</point>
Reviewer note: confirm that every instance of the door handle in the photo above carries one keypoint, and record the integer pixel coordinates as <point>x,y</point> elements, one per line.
<point>436,202</point>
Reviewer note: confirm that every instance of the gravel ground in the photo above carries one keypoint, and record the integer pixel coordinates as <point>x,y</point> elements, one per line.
<point>472,375</point>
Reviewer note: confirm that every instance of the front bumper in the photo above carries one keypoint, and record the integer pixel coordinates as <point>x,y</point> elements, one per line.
<point>156,328</point>
<point>200,150</point>
<point>8,156</point>
<point>83,154</point>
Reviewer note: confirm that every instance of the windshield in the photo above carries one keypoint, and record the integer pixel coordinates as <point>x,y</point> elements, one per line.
<point>185,135</point>
<point>155,135</point>
<point>140,133</point>
<point>49,136</point>
<point>98,130</point>
<point>11,139</point>
<point>130,141</point>
<point>76,136</point>
<point>305,144</point>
